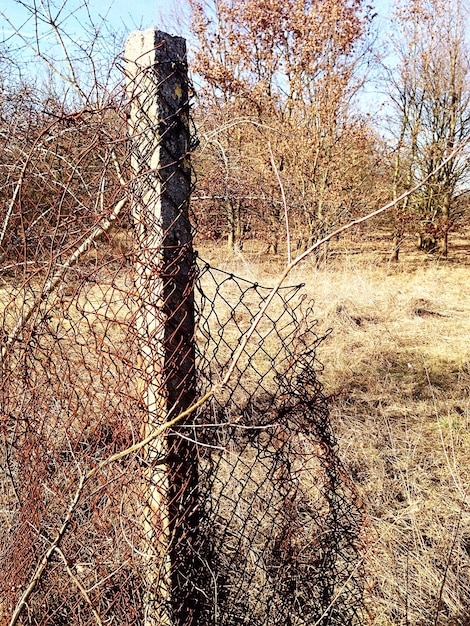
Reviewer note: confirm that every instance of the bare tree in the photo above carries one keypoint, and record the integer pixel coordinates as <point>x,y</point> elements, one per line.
<point>282,74</point>
<point>431,95</point>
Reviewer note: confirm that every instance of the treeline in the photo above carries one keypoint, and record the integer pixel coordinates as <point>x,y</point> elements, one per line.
<point>288,149</point>
<point>290,146</point>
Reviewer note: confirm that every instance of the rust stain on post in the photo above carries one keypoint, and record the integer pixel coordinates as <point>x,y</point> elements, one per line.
<point>157,86</point>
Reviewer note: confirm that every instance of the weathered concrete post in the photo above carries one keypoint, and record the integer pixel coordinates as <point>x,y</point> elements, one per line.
<point>157,87</point>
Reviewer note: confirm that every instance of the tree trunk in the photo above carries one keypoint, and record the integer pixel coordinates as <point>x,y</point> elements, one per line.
<point>394,256</point>
<point>234,238</point>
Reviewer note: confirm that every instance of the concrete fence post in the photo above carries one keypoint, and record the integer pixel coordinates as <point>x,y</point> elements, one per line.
<point>157,87</point>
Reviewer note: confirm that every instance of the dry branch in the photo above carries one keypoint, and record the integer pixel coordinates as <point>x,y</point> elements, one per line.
<point>79,586</point>
<point>57,278</point>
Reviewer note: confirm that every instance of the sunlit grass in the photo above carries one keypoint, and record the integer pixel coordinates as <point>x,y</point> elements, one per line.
<point>396,367</point>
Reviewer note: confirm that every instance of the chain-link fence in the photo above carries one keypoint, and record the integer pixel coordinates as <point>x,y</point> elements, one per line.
<point>166,451</point>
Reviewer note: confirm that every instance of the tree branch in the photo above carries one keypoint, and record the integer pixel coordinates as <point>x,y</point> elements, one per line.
<point>57,278</point>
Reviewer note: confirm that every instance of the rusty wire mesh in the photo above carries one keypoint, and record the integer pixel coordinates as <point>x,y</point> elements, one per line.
<point>239,514</point>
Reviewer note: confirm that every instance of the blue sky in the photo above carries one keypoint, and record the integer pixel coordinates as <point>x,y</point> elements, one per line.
<point>120,15</point>
<point>78,21</point>
<point>110,16</point>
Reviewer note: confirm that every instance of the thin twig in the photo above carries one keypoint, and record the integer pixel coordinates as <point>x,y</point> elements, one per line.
<point>38,52</point>
<point>80,587</point>
<point>19,184</point>
<point>448,561</point>
<point>12,203</point>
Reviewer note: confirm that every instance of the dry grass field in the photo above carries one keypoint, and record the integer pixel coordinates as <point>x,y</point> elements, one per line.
<point>395,367</point>
<point>397,371</point>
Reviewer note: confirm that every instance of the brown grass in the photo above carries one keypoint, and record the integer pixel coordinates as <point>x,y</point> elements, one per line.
<point>396,367</point>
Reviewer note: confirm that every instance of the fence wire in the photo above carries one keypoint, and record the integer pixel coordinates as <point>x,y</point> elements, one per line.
<point>241,513</point>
